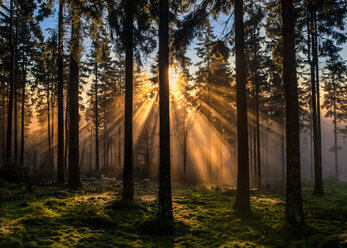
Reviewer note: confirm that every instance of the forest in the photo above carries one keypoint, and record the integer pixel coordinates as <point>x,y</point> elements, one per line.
<point>167,123</point>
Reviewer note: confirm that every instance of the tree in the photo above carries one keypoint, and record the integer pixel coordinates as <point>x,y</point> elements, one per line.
<point>242,202</point>
<point>128,183</point>
<point>11,93</point>
<point>73,92</point>
<point>165,198</point>
<point>294,211</point>
<point>60,63</point>
<point>335,97</point>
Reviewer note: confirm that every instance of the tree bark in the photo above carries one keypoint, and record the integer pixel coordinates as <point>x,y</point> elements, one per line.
<point>128,181</point>
<point>335,137</point>
<point>60,62</point>
<point>97,164</point>
<point>242,202</point>
<point>22,113</point>
<point>294,211</point>
<point>74,170</point>
<point>165,198</point>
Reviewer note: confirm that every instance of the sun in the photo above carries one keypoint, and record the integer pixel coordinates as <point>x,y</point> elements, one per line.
<point>174,77</point>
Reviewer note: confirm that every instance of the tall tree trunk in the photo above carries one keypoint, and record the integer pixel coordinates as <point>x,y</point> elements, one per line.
<point>185,151</point>
<point>165,198</point>
<point>60,62</point>
<point>294,210</point>
<point>16,93</point>
<point>66,123</point>
<point>119,148</point>
<point>319,189</point>
<point>335,138</point>
<point>22,113</point>
<point>258,131</point>
<point>91,156</point>
<point>266,152</point>
<point>3,115</point>
<point>11,85</point>
<point>97,165</point>
<point>49,127</point>
<point>318,180</point>
<point>283,155</point>
<point>74,170</point>
<point>242,202</point>
<point>128,181</point>
<point>52,127</point>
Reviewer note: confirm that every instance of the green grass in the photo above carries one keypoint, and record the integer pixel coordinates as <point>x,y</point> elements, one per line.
<point>96,217</point>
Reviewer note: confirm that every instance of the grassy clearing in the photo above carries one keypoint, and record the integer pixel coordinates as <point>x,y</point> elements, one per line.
<point>95,217</point>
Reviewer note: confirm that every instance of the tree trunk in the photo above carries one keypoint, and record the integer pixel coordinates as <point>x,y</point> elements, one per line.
<point>66,148</point>
<point>22,113</point>
<point>294,210</point>
<point>16,94</point>
<point>60,62</point>
<point>185,152</point>
<point>91,157</point>
<point>49,127</point>
<point>165,198</point>
<point>319,189</point>
<point>258,131</point>
<point>335,138</point>
<point>97,165</point>
<point>74,170</point>
<point>128,181</point>
<point>11,85</point>
<point>283,156</point>
<point>318,181</point>
<point>242,202</point>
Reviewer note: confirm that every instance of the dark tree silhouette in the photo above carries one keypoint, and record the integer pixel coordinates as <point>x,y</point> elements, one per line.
<point>74,169</point>
<point>294,211</point>
<point>242,202</point>
<point>11,93</point>
<point>60,62</point>
<point>128,184</point>
<point>165,198</point>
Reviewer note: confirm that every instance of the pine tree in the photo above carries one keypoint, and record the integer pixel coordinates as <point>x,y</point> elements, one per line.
<point>335,97</point>
<point>294,211</point>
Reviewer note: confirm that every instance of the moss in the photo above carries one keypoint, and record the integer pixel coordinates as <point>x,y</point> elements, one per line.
<point>96,217</point>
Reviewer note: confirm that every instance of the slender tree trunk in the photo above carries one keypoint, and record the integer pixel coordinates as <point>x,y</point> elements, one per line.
<point>335,137</point>
<point>16,93</point>
<point>119,148</point>
<point>266,152</point>
<point>165,198</point>
<point>319,188</point>
<point>60,62</point>
<point>11,86</point>
<point>22,113</point>
<point>294,210</point>
<point>258,132</point>
<point>128,181</point>
<point>242,202</point>
<point>318,182</point>
<point>97,165</point>
<point>3,116</point>
<point>185,152</point>
<point>49,127</point>
<point>283,155</point>
<point>52,128</point>
<point>91,156</point>
<point>66,148</point>
<point>74,170</point>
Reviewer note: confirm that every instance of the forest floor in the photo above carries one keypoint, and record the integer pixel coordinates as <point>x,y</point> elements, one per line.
<point>52,216</point>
